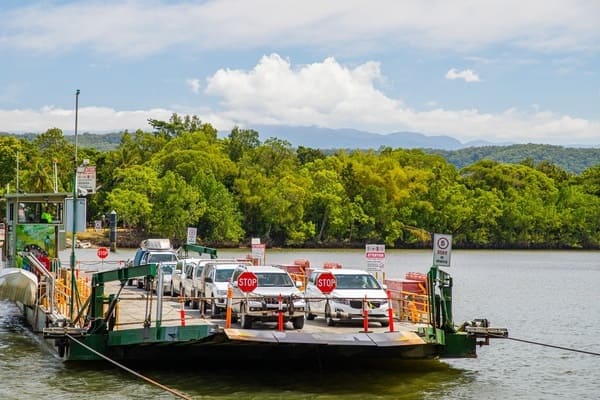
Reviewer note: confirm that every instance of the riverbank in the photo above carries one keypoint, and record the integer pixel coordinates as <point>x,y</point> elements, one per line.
<point>130,239</point>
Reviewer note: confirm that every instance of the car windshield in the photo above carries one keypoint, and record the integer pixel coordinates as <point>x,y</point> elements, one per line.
<point>359,281</point>
<point>223,275</point>
<point>156,258</point>
<point>273,279</point>
<point>167,269</point>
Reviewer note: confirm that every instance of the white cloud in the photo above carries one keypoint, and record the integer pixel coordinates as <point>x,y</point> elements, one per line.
<point>134,28</point>
<point>326,94</point>
<point>468,75</point>
<point>194,85</point>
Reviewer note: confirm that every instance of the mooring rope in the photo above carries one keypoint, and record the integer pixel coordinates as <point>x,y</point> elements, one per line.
<point>168,389</point>
<point>547,345</point>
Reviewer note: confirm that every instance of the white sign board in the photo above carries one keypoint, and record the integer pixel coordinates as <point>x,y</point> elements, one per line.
<point>375,255</point>
<point>192,232</point>
<point>86,178</point>
<point>258,252</point>
<point>442,247</point>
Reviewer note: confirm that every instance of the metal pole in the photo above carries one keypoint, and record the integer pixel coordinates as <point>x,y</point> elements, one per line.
<point>74,225</point>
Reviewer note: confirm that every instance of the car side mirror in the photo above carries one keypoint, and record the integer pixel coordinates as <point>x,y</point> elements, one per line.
<point>298,284</point>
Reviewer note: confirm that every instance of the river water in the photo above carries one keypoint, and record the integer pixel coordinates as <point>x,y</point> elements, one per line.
<point>547,297</point>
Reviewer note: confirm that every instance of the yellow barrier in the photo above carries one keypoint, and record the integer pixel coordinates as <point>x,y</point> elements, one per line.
<point>412,307</point>
<point>63,295</point>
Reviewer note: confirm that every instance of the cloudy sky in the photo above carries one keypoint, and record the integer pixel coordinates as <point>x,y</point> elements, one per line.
<point>503,71</point>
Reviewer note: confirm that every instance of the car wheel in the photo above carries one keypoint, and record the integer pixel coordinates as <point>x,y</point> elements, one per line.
<point>309,315</point>
<point>328,318</point>
<point>187,301</point>
<point>213,309</point>
<point>384,323</point>
<point>298,322</point>
<point>245,319</point>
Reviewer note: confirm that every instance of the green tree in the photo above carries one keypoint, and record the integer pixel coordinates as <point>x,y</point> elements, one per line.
<point>179,207</point>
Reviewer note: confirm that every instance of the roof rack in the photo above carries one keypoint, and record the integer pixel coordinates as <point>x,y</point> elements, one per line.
<point>156,244</point>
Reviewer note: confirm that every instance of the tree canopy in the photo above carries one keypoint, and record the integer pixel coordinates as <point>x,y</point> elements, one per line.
<point>181,174</point>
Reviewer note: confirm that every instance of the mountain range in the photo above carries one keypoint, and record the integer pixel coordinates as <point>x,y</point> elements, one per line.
<point>326,138</point>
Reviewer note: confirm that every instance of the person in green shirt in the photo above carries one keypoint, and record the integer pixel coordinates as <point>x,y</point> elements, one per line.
<point>46,217</point>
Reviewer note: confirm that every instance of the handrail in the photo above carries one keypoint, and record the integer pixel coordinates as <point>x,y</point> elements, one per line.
<point>40,269</point>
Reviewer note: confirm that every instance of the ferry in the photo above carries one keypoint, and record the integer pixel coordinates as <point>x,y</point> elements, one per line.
<point>98,316</point>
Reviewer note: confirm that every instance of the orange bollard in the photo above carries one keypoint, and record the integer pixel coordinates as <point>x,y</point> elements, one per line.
<point>280,315</point>
<point>228,311</point>
<point>182,313</point>
<point>390,311</point>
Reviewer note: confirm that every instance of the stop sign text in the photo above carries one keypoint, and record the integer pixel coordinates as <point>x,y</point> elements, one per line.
<point>326,282</point>
<point>247,281</point>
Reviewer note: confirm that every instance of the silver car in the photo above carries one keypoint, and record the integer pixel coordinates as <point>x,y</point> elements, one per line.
<point>356,290</point>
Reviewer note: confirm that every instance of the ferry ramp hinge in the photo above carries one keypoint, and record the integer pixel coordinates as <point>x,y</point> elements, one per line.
<point>481,329</point>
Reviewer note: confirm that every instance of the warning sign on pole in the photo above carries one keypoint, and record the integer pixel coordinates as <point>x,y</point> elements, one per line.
<point>375,255</point>
<point>258,251</point>
<point>442,247</point>
<point>192,233</point>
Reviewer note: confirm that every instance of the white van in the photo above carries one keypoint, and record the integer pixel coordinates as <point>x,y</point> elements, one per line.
<point>214,282</point>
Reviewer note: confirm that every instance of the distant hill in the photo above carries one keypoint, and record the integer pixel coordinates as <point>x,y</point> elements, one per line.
<point>571,159</point>
<point>98,141</point>
<point>325,138</point>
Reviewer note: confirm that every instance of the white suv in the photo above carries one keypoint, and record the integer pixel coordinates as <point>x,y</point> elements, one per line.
<point>262,304</point>
<point>180,274</point>
<point>191,287</point>
<point>214,282</point>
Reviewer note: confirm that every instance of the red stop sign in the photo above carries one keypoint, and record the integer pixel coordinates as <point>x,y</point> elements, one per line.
<point>326,282</point>
<point>102,252</point>
<point>247,281</point>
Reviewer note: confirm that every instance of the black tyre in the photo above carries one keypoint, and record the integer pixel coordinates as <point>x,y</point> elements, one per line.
<point>309,315</point>
<point>298,322</point>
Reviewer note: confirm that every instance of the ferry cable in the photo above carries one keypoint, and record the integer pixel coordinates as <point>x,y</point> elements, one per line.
<point>547,345</point>
<point>160,385</point>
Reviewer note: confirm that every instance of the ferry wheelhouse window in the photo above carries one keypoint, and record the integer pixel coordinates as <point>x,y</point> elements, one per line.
<point>36,212</point>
